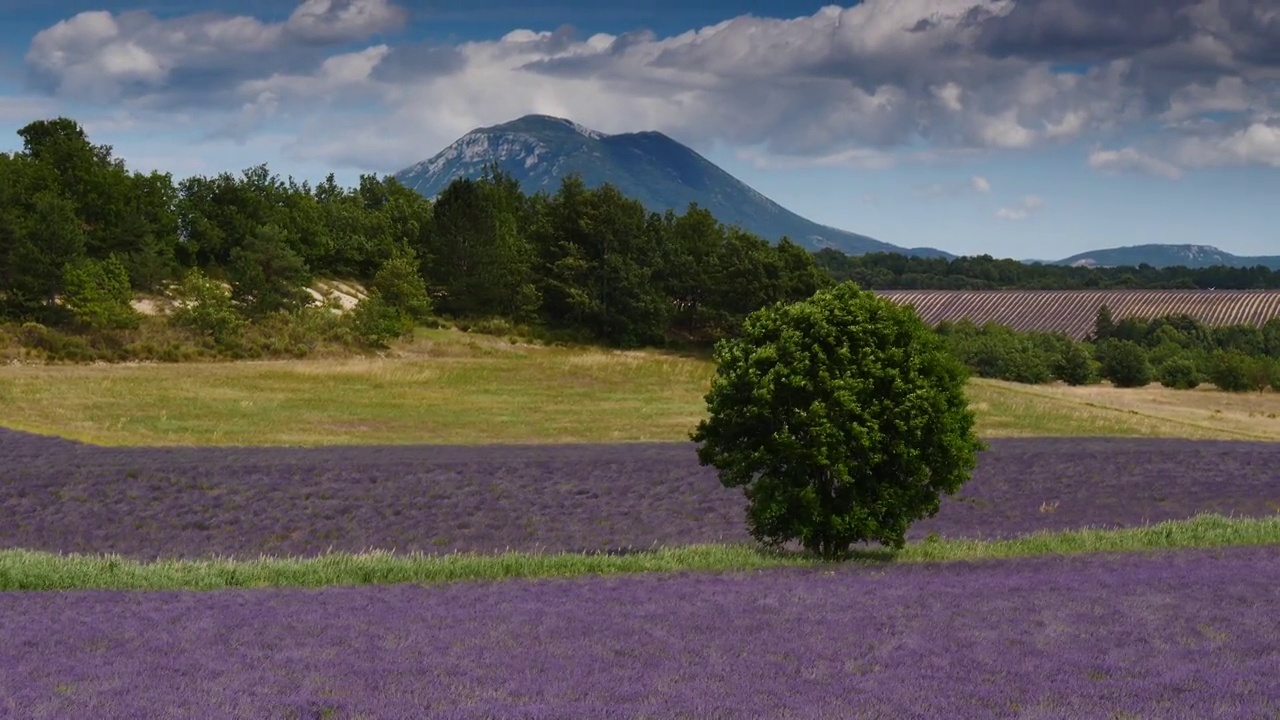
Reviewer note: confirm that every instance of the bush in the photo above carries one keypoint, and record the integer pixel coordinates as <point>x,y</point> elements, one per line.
<point>296,333</point>
<point>1075,365</point>
<point>55,345</point>
<point>1179,372</point>
<point>375,322</point>
<point>266,274</point>
<point>205,307</point>
<point>1000,353</point>
<point>98,295</point>
<point>402,288</point>
<point>843,417</point>
<point>1124,363</point>
<point>1236,371</point>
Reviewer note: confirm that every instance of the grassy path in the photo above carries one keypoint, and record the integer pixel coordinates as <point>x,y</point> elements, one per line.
<point>27,570</point>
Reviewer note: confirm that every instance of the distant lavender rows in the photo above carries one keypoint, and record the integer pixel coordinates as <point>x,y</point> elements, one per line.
<point>60,495</point>
<point>1177,636</point>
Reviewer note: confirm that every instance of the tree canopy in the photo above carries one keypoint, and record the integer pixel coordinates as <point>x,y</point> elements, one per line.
<point>842,416</point>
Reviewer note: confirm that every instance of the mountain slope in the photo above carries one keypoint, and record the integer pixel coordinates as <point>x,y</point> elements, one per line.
<point>539,150</point>
<point>1156,255</point>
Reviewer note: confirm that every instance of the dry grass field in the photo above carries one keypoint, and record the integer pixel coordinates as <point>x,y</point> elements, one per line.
<point>451,387</point>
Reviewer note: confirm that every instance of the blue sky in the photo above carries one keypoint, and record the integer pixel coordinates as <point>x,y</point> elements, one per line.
<point>1016,128</point>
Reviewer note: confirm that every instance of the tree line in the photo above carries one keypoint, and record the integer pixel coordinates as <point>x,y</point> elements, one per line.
<point>80,234</point>
<point>1174,350</point>
<point>893,271</point>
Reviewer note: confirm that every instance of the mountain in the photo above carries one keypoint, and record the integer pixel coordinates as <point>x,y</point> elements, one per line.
<point>539,150</point>
<point>1155,255</point>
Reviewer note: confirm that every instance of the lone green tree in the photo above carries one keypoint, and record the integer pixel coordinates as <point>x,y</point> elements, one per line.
<point>842,416</point>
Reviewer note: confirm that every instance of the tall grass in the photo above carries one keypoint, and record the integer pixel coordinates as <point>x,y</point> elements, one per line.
<point>29,570</point>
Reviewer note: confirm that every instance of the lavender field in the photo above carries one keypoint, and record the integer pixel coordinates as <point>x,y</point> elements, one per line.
<point>59,495</point>
<point>1190,634</point>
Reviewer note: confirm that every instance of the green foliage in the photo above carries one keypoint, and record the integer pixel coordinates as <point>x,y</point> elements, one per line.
<point>397,302</point>
<point>98,294</point>
<point>205,307</point>
<point>1000,353</point>
<point>484,261</point>
<point>267,275</point>
<point>843,417</point>
<point>1131,329</point>
<point>41,242</point>
<point>600,262</point>
<point>1075,365</point>
<point>581,263</point>
<point>1124,363</point>
<point>1236,371</point>
<point>400,287</point>
<point>1179,372</point>
<point>376,322</point>
<point>885,271</point>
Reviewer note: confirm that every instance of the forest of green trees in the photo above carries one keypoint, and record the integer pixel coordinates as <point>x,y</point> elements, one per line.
<point>81,236</point>
<point>80,233</point>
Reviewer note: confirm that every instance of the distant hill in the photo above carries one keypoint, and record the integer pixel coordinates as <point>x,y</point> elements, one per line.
<point>1155,255</point>
<point>540,150</point>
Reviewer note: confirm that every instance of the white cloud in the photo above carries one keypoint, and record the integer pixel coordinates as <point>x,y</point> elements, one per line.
<point>1024,209</point>
<point>1004,131</point>
<point>1130,160</point>
<point>980,184</point>
<point>1070,126</point>
<point>864,86</point>
<point>1227,94</point>
<point>343,20</point>
<point>1257,144</point>
<point>862,158</point>
<point>949,95</point>
<point>106,57</point>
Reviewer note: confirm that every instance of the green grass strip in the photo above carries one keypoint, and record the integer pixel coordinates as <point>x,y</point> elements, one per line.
<point>30,570</point>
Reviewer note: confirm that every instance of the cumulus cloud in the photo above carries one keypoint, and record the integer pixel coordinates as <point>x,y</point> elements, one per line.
<point>1257,144</point>
<point>980,184</point>
<point>193,59</point>
<point>870,86</point>
<point>334,21</point>
<point>1130,160</point>
<point>1028,205</point>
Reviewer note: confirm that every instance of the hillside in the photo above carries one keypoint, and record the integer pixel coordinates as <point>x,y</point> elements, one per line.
<point>539,150</point>
<point>1157,255</point>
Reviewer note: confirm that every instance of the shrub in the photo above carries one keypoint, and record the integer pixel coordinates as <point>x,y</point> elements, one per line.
<point>402,288</point>
<point>98,295</point>
<point>1179,372</point>
<point>1075,365</point>
<point>267,275</point>
<point>205,307</point>
<point>1236,371</point>
<point>1000,353</point>
<point>375,322</point>
<point>1124,363</point>
<point>843,418</point>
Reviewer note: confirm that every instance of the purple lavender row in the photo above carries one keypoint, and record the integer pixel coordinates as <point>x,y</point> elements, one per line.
<point>245,502</point>
<point>1175,635</point>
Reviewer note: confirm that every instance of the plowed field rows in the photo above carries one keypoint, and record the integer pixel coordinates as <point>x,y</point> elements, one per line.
<point>1073,311</point>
